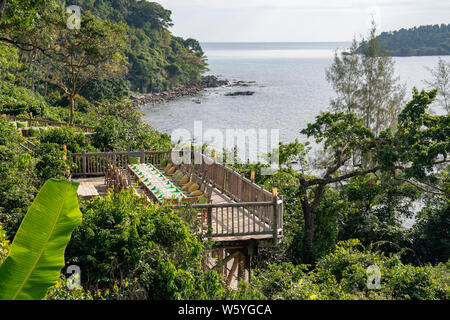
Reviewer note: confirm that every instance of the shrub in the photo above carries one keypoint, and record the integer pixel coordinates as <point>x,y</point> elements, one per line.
<point>19,101</point>
<point>17,178</point>
<point>51,162</point>
<point>119,134</point>
<point>150,248</point>
<point>61,292</point>
<point>69,136</point>
<point>343,274</point>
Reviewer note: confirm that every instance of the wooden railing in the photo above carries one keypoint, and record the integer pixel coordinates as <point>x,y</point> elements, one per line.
<point>31,122</point>
<point>95,163</point>
<point>225,220</point>
<point>255,211</point>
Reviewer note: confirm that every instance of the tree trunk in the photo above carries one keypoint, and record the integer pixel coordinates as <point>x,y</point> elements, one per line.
<point>309,215</point>
<point>30,64</point>
<point>72,108</point>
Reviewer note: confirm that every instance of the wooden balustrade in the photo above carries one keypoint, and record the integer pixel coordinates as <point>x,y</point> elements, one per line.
<point>238,219</point>
<point>94,163</point>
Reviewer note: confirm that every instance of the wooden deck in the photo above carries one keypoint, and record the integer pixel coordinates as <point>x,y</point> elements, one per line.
<point>91,187</point>
<point>224,221</point>
<point>240,217</point>
<point>239,210</point>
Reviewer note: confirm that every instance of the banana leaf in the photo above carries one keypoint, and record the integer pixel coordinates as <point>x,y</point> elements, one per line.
<point>37,253</point>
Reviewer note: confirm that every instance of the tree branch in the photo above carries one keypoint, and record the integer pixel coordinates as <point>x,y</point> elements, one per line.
<point>325,181</point>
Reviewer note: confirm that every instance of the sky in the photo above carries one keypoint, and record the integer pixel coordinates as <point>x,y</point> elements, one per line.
<point>298,20</point>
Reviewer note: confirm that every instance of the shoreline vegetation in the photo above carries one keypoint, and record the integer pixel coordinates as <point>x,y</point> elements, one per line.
<point>428,40</point>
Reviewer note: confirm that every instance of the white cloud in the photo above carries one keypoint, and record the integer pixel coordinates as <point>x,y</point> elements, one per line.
<point>300,4</point>
<point>298,20</point>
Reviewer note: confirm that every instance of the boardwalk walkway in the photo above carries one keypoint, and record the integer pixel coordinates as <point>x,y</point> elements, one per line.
<point>91,187</point>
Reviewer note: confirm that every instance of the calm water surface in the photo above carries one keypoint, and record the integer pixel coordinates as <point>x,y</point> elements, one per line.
<point>291,88</point>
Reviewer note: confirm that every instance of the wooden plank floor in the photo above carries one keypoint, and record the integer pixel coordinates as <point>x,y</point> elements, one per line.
<point>91,187</point>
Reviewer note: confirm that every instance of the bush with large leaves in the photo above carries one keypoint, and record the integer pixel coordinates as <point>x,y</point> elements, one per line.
<point>37,252</point>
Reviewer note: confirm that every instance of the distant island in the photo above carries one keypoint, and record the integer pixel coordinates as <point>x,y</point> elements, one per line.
<point>429,40</point>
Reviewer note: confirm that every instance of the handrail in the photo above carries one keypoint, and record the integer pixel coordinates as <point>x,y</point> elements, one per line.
<point>224,205</point>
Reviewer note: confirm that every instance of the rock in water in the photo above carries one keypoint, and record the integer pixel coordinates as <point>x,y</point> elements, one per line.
<point>240,93</point>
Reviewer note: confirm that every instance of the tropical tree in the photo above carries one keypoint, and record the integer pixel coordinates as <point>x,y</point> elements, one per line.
<point>412,155</point>
<point>441,81</point>
<point>365,82</point>
<point>94,52</point>
<point>20,19</point>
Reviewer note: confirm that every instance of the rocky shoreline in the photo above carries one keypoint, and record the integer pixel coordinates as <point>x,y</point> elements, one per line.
<point>206,82</point>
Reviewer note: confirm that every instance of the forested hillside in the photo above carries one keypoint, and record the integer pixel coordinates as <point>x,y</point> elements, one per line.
<point>121,47</point>
<point>157,59</point>
<point>418,41</point>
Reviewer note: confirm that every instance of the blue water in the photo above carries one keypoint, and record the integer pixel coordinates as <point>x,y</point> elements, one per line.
<point>291,88</point>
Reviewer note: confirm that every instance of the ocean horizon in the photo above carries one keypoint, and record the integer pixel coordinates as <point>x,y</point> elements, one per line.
<point>289,82</point>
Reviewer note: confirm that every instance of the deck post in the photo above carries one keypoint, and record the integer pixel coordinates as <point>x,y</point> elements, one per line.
<point>275,221</point>
<point>241,267</point>
<point>84,164</point>
<point>142,160</point>
<point>209,217</point>
<point>114,158</point>
<point>105,161</point>
<point>241,187</point>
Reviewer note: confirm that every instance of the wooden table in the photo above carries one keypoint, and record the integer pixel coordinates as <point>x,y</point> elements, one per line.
<point>156,183</point>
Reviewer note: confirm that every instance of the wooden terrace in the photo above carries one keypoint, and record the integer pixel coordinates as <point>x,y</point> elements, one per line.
<point>239,215</point>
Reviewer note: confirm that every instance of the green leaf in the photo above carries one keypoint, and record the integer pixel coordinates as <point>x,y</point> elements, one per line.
<point>37,252</point>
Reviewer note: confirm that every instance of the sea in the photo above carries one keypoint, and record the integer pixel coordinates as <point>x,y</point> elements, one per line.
<point>290,88</point>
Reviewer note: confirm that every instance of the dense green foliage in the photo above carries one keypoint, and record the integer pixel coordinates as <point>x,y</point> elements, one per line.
<point>368,201</point>
<point>158,60</point>
<point>150,248</point>
<point>17,177</point>
<point>122,46</point>
<point>429,237</point>
<point>343,274</point>
<point>120,134</point>
<point>430,40</point>
<point>20,101</point>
